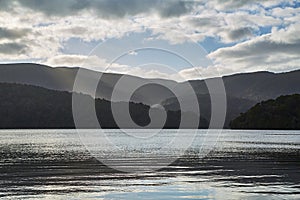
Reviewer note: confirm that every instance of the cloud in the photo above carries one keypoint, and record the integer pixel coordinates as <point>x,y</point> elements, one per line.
<point>277,51</point>
<point>288,35</point>
<point>133,53</point>
<point>77,30</point>
<point>194,19</point>
<point>110,8</point>
<point>235,4</point>
<point>125,8</point>
<point>208,22</point>
<point>101,65</point>
<point>285,12</point>
<point>240,33</point>
<point>93,62</point>
<point>4,4</point>
<point>175,8</point>
<point>12,48</point>
<point>229,4</point>
<point>12,34</point>
<point>39,29</point>
<point>197,21</point>
<point>206,72</point>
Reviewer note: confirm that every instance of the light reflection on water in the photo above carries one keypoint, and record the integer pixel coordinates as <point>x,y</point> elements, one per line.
<point>53,164</point>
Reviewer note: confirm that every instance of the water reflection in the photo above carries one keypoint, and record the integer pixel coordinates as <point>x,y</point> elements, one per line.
<point>54,164</point>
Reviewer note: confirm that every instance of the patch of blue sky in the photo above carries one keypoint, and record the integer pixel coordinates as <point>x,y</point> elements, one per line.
<point>296,4</point>
<point>268,29</point>
<point>284,4</point>
<point>264,30</point>
<point>77,46</point>
<point>211,44</point>
<point>154,56</point>
<point>44,24</point>
<point>136,49</point>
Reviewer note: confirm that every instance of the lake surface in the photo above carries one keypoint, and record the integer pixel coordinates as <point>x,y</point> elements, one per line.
<point>55,164</point>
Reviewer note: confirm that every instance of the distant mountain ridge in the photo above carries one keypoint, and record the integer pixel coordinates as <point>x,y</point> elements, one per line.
<point>255,86</point>
<point>62,78</point>
<point>243,90</point>
<point>25,106</point>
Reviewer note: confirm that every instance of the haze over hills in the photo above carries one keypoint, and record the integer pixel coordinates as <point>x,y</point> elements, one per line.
<point>255,86</point>
<point>62,79</point>
<point>243,90</point>
<point>25,106</point>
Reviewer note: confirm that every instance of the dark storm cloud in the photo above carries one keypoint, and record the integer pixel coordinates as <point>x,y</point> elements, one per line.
<point>110,8</point>
<point>12,48</point>
<point>13,33</point>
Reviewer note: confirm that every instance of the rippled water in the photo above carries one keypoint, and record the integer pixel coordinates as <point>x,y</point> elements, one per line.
<point>54,164</point>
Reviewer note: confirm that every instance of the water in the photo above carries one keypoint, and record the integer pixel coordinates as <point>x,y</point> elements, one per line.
<point>54,164</point>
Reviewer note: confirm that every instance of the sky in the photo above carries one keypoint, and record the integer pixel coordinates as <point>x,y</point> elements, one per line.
<point>174,39</point>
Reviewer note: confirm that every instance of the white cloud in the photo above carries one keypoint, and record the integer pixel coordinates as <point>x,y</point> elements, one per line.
<point>244,4</point>
<point>75,61</point>
<point>133,53</point>
<point>39,29</point>
<point>287,35</point>
<point>277,51</point>
<point>285,12</point>
<point>101,65</point>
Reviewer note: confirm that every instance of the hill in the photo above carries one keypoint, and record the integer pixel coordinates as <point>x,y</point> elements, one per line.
<point>282,113</point>
<point>25,106</point>
<point>243,90</point>
<point>257,86</point>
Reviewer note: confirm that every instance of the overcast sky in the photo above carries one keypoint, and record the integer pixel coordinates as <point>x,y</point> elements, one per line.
<point>238,35</point>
